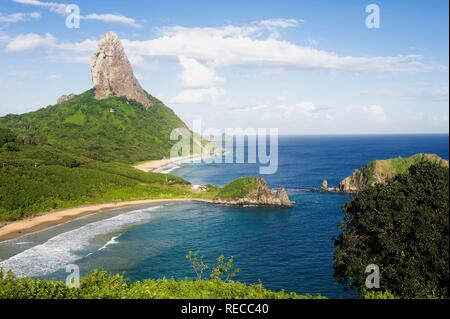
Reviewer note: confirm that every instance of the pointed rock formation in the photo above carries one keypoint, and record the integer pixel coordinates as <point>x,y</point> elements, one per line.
<point>112,73</point>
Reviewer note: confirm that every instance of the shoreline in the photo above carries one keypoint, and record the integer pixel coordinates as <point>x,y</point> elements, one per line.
<point>155,165</point>
<point>46,220</point>
<point>50,219</point>
<point>158,165</point>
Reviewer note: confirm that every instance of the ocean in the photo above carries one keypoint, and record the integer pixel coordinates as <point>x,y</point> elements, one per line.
<point>290,249</point>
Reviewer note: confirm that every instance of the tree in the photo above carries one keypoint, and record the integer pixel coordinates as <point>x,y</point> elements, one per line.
<point>403,227</point>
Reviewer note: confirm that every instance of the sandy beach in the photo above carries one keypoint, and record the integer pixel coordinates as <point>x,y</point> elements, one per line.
<point>45,220</point>
<point>151,166</point>
<point>49,219</point>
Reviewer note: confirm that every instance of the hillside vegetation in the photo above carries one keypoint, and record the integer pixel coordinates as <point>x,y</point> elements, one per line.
<point>38,178</point>
<point>114,129</point>
<point>381,171</point>
<point>239,188</point>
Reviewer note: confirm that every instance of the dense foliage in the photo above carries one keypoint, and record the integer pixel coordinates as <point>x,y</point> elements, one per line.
<point>382,170</point>
<point>105,286</point>
<point>114,129</point>
<point>238,188</point>
<point>38,178</point>
<point>403,227</point>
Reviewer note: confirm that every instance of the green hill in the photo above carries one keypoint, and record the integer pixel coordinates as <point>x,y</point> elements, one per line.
<point>38,178</point>
<point>252,191</point>
<point>114,129</point>
<point>380,171</point>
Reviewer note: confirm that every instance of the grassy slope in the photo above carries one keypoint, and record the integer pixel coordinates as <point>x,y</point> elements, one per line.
<point>77,153</point>
<point>387,169</point>
<point>238,188</point>
<point>40,178</point>
<point>87,126</point>
<point>102,285</point>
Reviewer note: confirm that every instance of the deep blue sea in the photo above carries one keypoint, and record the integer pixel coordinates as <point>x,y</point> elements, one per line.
<point>289,249</point>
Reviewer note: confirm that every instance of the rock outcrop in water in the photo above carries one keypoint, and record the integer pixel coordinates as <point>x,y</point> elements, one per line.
<point>112,73</point>
<point>252,191</point>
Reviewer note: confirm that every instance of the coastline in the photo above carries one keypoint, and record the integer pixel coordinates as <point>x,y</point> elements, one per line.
<point>46,220</point>
<point>155,165</point>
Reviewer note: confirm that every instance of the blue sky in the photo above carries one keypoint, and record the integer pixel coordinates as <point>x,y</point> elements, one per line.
<point>305,67</point>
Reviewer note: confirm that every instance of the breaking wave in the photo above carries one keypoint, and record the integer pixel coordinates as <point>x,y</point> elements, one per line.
<point>66,248</point>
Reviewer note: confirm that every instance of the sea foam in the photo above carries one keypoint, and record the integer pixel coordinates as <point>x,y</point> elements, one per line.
<point>66,248</point>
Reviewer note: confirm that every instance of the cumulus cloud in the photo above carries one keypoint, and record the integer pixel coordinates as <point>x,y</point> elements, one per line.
<point>376,112</point>
<point>19,17</point>
<point>197,75</point>
<point>29,41</point>
<point>60,8</point>
<point>255,45</point>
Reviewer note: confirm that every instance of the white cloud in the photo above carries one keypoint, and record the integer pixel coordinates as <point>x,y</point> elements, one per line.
<point>196,75</point>
<point>249,45</point>
<point>113,18</point>
<point>29,41</point>
<point>87,45</point>
<point>19,17</point>
<point>60,8</point>
<point>274,25</point>
<point>192,96</point>
<point>376,112</point>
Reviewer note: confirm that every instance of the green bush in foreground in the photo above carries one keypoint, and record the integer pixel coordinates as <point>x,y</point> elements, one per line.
<point>100,285</point>
<point>403,227</point>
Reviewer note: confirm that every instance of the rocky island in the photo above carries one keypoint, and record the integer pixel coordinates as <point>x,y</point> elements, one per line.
<point>252,191</point>
<point>380,171</point>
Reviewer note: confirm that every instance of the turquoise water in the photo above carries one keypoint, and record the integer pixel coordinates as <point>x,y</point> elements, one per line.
<point>289,249</point>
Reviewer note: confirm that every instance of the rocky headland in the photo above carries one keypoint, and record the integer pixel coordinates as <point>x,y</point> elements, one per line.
<point>379,172</point>
<point>252,191</point>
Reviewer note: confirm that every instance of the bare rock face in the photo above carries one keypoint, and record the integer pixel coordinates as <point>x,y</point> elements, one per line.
<point>354,183</point>
<point>112,73</point>
<point>65,98</point>
<point>261,195</point>
<point>324,185</point>
<point>283,197</point>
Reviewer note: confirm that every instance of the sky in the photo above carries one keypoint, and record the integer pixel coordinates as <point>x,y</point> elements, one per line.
<point>304,67</point>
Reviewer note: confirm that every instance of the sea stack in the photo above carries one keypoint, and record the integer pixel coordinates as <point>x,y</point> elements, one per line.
<point>112,73</point>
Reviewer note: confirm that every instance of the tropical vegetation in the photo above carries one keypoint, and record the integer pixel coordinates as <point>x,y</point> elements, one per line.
<point>403,228</point>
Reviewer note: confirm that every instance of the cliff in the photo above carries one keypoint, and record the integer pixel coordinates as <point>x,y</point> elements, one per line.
<point>379,171</point>
<point>112,73</point>
<point>252,191</point>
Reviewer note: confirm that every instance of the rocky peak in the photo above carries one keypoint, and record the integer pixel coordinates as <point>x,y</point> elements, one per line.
<point>112,73</point>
